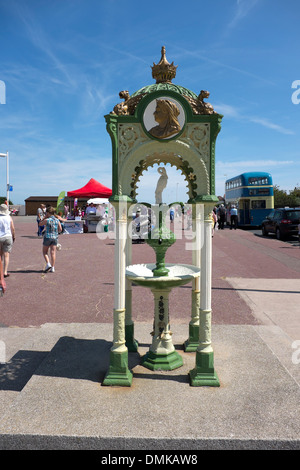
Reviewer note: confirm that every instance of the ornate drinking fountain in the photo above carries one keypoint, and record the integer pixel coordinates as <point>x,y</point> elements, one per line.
<point>161,278</point>
<point>160,124</point>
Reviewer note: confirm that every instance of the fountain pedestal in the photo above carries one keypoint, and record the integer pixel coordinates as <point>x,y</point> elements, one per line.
<point>162,354</point>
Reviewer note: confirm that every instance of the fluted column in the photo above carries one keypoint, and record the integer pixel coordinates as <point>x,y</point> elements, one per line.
<point>131,343</point>
<point>192,342</point>
<point>118,373</point>
<point>204,373</point>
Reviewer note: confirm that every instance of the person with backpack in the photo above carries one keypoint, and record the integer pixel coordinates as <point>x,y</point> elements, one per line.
<point>53,228</point>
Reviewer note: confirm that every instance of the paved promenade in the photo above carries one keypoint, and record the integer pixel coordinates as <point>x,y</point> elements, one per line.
<point>56,329</point>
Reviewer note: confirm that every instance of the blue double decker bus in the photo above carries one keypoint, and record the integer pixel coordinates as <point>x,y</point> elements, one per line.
<point>252,193</point>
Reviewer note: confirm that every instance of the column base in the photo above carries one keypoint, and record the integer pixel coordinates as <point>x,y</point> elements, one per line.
<point>155,361</point>
<point>131,343</point>
<point>204,373</point>
<point>192,343</point>
<point>118,373</point>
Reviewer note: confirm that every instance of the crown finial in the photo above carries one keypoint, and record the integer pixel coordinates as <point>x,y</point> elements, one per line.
<point>164,72</point>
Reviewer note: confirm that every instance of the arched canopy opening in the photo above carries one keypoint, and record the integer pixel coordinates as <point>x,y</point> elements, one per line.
<point>177,188</point>
<point>181,157</point>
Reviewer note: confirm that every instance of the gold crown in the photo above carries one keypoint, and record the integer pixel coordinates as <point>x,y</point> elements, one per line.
<point>163,72</point>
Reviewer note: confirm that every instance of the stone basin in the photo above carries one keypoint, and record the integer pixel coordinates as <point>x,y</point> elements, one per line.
<point>179,274</point>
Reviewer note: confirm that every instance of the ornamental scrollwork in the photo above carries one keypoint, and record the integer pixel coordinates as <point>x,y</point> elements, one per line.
<point>198,136</point>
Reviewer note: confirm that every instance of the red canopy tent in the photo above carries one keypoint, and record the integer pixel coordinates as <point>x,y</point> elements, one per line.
<point>92,189</point>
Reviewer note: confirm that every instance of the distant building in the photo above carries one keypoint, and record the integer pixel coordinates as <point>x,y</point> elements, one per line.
<point>32,203</point>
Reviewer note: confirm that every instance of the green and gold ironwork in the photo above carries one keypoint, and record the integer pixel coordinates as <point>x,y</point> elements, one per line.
<point>162,123</point>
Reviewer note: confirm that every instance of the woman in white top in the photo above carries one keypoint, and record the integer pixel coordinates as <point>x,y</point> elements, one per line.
<point>7,236</point>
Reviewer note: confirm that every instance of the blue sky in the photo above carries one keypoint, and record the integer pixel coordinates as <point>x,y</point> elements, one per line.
<point>64,62</point>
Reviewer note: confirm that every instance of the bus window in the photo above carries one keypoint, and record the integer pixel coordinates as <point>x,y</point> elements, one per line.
<point>258,204</point>
<point>265,191</point>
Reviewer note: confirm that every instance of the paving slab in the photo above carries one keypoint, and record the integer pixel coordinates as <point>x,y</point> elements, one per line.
<point>64,405</point>
<point>272,301</point>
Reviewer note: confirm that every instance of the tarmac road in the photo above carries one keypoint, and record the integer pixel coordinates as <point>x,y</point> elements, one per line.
<point>81,289</point>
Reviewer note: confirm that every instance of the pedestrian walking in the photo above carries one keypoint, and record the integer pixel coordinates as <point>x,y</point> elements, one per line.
<point>2,281</point>
<point>7,237</point>
<point>233,218</point>
<point>222,216</point>
<point>172,213</point>
<point>52,229</point>
<point>215,220</point>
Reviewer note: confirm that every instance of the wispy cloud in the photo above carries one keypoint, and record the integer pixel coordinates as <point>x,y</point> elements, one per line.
<point>270,125</point>
<point>235,113</point>
<point>228,110</point>
<point>242,9</point>
<point>21,121</point>
<point>219,64</point>
<point>39,39</point>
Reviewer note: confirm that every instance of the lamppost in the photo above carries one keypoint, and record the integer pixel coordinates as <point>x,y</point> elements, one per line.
<point>7,174</point>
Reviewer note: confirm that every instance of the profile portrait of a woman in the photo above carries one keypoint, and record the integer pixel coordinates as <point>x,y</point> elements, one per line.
<point>166,115</point>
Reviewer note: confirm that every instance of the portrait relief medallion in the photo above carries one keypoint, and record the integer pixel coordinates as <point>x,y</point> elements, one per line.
<point>164,118</point>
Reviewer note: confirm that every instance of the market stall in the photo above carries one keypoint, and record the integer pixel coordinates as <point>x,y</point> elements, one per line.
<point>97,204</point>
